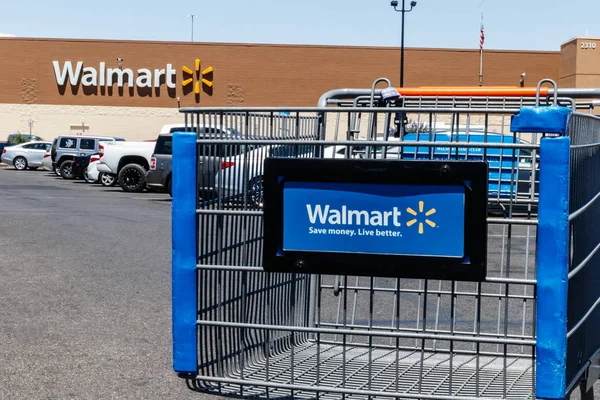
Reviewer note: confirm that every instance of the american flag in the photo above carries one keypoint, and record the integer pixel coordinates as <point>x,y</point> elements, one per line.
<point>481,36</point>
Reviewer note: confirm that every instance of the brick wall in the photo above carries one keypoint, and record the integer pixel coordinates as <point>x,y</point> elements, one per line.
<point>248,75</point>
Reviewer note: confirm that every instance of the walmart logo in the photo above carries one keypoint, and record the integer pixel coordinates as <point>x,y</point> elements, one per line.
<point>197,76</point>
<point>419,214</point>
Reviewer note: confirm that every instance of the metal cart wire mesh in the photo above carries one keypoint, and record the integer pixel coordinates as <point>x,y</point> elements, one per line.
<point>525,332</point>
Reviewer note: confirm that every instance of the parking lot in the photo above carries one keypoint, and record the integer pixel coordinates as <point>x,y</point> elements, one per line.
<point>85,291</point>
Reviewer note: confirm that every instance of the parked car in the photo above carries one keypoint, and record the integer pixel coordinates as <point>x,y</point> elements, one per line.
<point>70,146</point>
<point>210,128</point>
<point>126,163</point>
<point>80,165</point>
<point>47,160</point>
<point>239,177</point>
<point>159,175</point>
<point>29,138</point>
<point>91,174</point>
<point>25,155</point>
<point>11,140</point>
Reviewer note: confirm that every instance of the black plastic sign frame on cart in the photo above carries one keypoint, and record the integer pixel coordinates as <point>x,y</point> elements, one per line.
<point>389,218</point>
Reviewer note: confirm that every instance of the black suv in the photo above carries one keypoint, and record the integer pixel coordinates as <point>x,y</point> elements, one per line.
<point>209,160</point>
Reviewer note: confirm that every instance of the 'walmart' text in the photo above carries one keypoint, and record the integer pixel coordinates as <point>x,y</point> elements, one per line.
<point>327,215</point>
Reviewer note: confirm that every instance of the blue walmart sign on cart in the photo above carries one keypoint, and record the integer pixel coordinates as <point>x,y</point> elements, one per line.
<point>413,219</point>
<point>374,218</point>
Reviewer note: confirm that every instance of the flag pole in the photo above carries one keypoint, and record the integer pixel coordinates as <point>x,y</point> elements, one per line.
<point>481,40</point>
<point>481,67</point>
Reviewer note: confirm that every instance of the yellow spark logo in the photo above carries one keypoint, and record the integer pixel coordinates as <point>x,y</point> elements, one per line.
<point>204,76</point>
<point>427,214</point>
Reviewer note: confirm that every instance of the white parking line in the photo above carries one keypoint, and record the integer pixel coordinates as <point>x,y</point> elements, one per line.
<point>149,198</point>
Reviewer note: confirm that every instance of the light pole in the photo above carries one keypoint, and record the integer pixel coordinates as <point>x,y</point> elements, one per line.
<point>403,10</point>
<point>193,17</point>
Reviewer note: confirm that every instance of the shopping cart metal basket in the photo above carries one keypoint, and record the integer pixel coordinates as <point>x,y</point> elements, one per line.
<point>251,319</point>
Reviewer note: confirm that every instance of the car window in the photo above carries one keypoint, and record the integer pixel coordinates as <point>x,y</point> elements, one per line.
<point>87,144</point>
<point>30,146</point>
<point>210,131</point>
<point>68,143</point>
<point>221,150</point>
<point>203,130</point>
<point>180,129</point>
<point>164,145</point>
<point>291,151</point>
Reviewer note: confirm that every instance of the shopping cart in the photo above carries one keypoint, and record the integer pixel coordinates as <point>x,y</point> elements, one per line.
<point>518,320</point>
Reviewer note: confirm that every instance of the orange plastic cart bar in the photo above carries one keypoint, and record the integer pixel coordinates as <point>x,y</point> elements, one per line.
<point>493,91</point>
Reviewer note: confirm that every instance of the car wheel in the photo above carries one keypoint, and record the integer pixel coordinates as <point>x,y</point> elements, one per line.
<point>20,163</point>
<point>87,178</point>
<point>106,179</point>
<point>169,188</point>
<point>57,170</point>
<point>255,192</point>
<point>66,169</point>
<point>132,178</point>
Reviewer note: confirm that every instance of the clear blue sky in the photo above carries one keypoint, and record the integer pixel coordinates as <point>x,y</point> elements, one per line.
<point>509,24</point>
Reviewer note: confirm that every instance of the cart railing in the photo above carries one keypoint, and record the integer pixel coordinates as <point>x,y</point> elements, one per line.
<point>583,302</point>
<point>568,240</point>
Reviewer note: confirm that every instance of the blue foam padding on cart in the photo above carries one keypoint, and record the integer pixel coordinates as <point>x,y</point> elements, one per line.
<point>546,119</point>
<point>184,243</point>
<point>552,269</point>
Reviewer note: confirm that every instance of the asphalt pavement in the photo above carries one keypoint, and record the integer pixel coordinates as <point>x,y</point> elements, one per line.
<point>86,291</point>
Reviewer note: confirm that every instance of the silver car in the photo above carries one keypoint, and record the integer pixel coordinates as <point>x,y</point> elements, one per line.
<point>25,155</point>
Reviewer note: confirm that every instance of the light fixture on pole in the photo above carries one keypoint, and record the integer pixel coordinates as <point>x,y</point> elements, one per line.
<point>403,10</point>
<point>193,17</point>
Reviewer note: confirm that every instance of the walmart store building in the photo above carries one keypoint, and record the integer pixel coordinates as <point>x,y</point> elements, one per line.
<point>131,88</point>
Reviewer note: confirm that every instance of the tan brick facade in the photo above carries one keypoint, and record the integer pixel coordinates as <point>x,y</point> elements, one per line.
<point>249,75</point>
<point>580,63</point>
